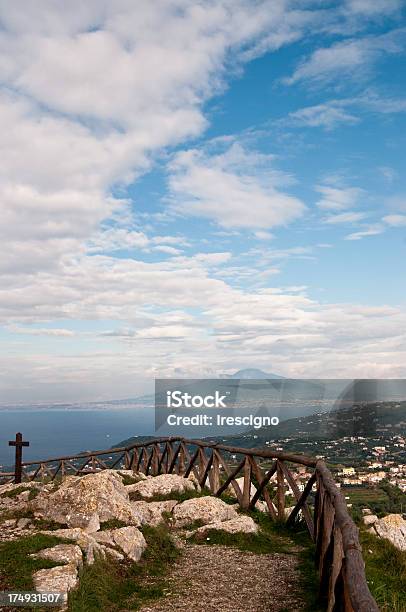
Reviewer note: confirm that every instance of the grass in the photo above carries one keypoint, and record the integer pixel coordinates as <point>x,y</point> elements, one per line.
<point>16,565</point>
<point>112,586</point>
<point>385,568</point>
<point>18,490</point>
<point>129,480</point>
<point>112,524</point>
<point>180,497</point>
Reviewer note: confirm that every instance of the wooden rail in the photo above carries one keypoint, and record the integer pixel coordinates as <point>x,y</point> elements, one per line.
<point>266,475</point>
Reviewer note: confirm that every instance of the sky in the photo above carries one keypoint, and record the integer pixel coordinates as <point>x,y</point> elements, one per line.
<point>190,188</point>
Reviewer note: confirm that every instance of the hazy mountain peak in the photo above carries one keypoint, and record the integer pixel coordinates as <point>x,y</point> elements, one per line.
<point>248,373</point>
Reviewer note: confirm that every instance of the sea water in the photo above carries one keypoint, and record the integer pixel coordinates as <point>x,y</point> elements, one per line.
<point>62,432</point>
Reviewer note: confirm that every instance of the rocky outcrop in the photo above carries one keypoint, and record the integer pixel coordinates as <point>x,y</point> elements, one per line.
<point>150,513</point>
<point>62,553</point>
<point>87,501</point>
<point>129,540</point>
<point>369,519</point>
<point>393,528</point>
<point>241,524</point>
<point>165,484</point>
<point>203,509</point>
<point>59,579</point>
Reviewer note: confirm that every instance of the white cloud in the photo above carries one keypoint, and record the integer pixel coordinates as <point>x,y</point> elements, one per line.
<point>169,250</point>
<point>42,331</point>
<point>345,217</point>
<point>232,189</point>
<point>372,230</point>
<point>395,220</point>
<point>371,9</point>
<point>348,58</point>
<point>261,235</point>
<point>350,111</point>
<point>92,93</point>
<point>327,115</point>
<point>338,198</point>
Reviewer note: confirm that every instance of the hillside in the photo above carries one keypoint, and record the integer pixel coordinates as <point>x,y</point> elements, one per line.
<point>373,419</point>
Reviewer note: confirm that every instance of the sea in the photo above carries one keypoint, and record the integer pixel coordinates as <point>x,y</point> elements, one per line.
<point>63,432</point>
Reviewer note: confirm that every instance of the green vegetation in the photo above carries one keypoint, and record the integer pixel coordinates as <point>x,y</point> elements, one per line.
<point>112,586</point>
<point>18,490</point>
<point>129,480</point>
<point>180,497</point>
<point>16,565</point>
<point>381,500</point>
<point>385,568</point>
<point>112,524</point>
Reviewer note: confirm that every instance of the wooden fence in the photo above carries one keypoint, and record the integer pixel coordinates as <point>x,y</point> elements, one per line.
<point>266,475</point>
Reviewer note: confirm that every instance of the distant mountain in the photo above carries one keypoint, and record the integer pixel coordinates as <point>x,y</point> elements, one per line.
<point>252,373</point>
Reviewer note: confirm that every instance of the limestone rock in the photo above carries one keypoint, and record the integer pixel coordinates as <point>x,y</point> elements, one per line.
<point>366,511</point>
<point>90,547</point>
<point>128,539</point>
<point>369,519</point>
<point>164,484</point>
<point>205,509</point>
<point>150,513</point>
<point>87,501</point>
<point>62,553</point>
<point>260,505</point>
<point>60,579</point>
<point>113,553</point>
<point>393,528</point>
<point>241,524</point>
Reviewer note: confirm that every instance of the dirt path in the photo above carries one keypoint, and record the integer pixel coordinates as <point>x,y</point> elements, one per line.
<point>224,579</point>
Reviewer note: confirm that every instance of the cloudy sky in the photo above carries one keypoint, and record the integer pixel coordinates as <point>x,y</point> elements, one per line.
<point>188,188</point>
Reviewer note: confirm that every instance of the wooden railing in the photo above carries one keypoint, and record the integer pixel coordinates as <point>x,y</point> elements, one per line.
<point>266,476</point>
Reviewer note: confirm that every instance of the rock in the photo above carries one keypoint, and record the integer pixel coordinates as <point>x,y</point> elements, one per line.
<point>22,523</point>
<point>129,539</point>
<point>60,579</point>
<point>260,505</point>
<point>241,524</point>
<point>393,528</point>
<point>113,553</point>
<point>369,519</point>
<point>90,547</point>
<point>62,553</point>
<point>164,484</point>
<point>87,501</point>
<point>205,509</point>
<point>366,511</point>
<point>138,476</point>
<point>150,513</point>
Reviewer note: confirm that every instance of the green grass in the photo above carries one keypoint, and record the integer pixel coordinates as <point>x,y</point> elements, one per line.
<point>179,497</point>
<point>385,569</point>
<point>16,565</point>
<point>129,480</point>
<point>18,490</point>
<point>112,586</point>
<point>112,524</point>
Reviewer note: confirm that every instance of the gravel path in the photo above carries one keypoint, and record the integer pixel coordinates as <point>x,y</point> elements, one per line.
<point>224,579</point>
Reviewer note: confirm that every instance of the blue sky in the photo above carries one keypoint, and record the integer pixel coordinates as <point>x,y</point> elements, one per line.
<point>189,189</point>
